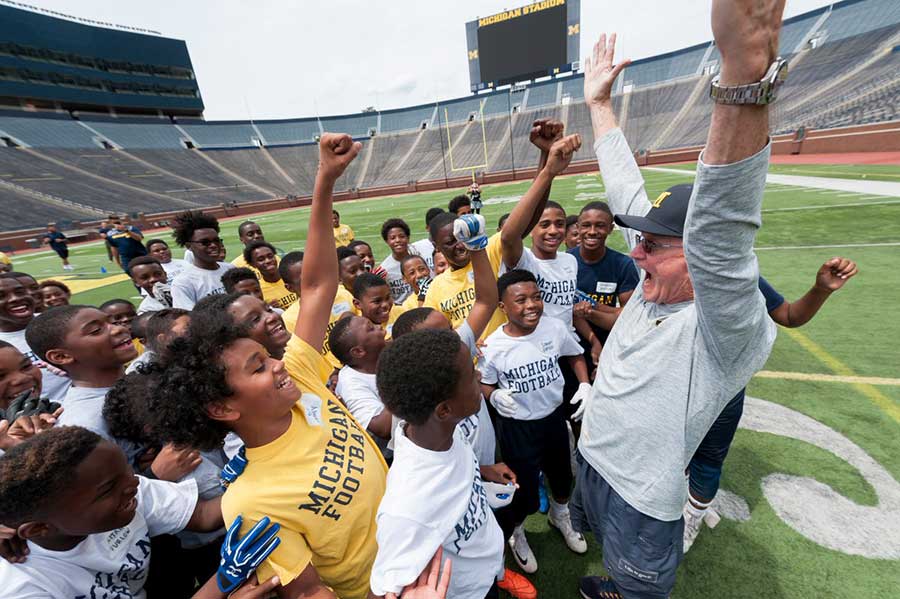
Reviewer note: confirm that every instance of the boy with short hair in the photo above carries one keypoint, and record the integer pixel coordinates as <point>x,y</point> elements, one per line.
<point>418,276</point>
<point>149,275</point>
<point>242,280</point>
<point>127,241</point>
<point>248,232</point>
<point>33,288</point>
<point>395,233</point>
<point>364,251</point>
<point>459,205</point>
<point>162,328</point>
<point>343,234</point>
<point>357,342</point>
<point>85,343</point>
<point>291,269</point>
<point>199,233</point>
<point>59,244</point>
<point>88,520</point>
<point>159,249</point>
<point>521,362</point>
<point>572,236</point>
<point>55,293</point>
<point>16,312</point>
<point>261,256</point>
<point>372,298</point>
<point>434,496</point>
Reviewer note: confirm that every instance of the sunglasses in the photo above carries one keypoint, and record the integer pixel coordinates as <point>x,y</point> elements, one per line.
<point>648,246</point>
<point>208,242</point>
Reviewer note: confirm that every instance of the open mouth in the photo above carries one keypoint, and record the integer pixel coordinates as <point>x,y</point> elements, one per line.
<point>19,310</point>
<point>123,344</point>
<point>285,383</point>
<point>277,329</point>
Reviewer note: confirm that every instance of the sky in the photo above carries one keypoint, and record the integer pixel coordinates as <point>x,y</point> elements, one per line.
<point>281,59</point>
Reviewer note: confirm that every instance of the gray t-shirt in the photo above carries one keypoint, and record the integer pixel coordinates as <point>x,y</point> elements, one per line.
<point>54,382</point>
<point>668,370</point>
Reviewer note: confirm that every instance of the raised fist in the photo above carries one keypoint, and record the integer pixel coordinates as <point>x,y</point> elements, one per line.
<point>336,151</point>
<point>833,274</point>
<point>561,153</point>
<point>544,132</point>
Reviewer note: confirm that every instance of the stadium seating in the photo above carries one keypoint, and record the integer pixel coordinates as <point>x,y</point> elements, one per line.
<point>845,69</point>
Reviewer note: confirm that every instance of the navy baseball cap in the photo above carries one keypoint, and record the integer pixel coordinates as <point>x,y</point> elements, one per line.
<point>666,215</point>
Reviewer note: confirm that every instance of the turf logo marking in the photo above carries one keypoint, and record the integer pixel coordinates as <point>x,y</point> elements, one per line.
<point>814,509</point>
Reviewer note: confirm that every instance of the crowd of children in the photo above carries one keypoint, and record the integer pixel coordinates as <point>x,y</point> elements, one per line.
<point>315,424</point>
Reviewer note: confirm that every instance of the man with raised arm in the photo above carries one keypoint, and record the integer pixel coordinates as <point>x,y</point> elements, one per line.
<point>696,328</point>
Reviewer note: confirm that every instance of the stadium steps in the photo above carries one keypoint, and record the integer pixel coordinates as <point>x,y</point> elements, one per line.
<point>369,149</point>
<point>697,95</point>
<point>159,169</point>
<point>419,136</point>
<point>495,154</point>
<point>234,175</point>
<point>277,167</point>
<point>459,136</point>
<point>623,110</point>
<point>72,209</point>
<point>109,182</point>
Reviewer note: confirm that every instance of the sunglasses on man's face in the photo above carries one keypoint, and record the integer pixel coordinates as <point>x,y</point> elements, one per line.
<point>208,242</point>
<point>648,245</point>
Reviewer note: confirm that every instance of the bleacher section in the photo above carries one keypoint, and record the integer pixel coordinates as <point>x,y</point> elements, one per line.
<point>846,70</point>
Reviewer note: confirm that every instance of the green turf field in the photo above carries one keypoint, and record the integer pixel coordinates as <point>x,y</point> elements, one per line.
<point>858,456</point>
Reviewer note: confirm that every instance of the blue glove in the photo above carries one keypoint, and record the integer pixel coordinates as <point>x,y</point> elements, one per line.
<point>234,468</point>
<point>470,230</point>
<point>241,556</point>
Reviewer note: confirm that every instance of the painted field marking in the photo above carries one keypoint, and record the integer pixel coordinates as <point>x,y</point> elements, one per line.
<point>820,247</point>
<point>882,401</point>
<point>827,378</point>
<point>821,206</point>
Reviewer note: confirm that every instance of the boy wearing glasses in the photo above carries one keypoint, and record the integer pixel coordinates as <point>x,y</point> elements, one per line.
<point>198,232</point>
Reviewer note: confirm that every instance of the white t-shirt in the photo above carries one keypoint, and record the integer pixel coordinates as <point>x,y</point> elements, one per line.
<point>105,565</point>
<point>425,248</point>
<point>150,304</point>
<point>529,366</point>
<point>188,256</point>
<point>557,279</point>
<point>436,499</point>
<point>195,283</point>
<point>54,382</point>
<point>145,358</point>
<point>84,407</point>
<point>174,267</point>
<point>400,289</point>
<point>360,394</point>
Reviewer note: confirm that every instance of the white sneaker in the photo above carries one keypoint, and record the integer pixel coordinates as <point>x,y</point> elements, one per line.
<point>558,517</point>
<point>693,520</point>
<point>521,551</point>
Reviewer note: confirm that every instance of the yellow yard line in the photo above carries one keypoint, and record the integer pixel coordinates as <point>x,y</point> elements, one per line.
<point>882,401</point>
<point>78,285</point>
<point>827,378</point>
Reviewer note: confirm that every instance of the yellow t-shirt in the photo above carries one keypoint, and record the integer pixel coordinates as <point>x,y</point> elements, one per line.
<point>395,313</point>
<point>453,291</point>
<point>343,235</point>
<point>277,291</point>
<point>409,303</point>
<point>322,480</point>
<point>343,302</point>
<point>4,259</point>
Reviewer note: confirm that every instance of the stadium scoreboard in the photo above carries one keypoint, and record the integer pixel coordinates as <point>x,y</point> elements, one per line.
<point>528,42</point>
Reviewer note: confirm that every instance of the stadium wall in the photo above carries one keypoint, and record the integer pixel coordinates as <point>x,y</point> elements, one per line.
<point>882,137</point>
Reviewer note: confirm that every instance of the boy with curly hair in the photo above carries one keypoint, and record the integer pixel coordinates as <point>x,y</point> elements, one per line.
<point>199,233</point>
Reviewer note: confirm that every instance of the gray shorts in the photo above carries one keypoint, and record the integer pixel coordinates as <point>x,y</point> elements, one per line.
<point>640,553</point>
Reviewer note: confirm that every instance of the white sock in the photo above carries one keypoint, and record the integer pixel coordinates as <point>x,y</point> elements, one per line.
<point>696,507</point>
<point>558,509</point>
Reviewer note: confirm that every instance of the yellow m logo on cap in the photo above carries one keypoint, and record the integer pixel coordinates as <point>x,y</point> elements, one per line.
<point>658,201</point>
<point>473,54</point>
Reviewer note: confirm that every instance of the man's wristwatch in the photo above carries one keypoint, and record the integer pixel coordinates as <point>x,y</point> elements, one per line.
<point>760,93</point>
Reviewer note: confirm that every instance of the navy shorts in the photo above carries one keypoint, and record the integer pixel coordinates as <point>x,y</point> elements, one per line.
<point>640,553</point>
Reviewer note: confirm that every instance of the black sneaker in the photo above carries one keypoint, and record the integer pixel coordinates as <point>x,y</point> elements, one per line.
<point>598,587</point>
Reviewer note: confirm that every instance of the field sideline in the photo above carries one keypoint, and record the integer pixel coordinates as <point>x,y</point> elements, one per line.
<point>813,477</point>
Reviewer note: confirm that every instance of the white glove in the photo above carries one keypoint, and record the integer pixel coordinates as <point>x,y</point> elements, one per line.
<point>581,398</point>
<point>470,230</point>
<point>504,402</point>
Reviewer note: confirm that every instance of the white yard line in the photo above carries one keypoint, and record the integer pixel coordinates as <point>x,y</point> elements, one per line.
<point>821,206</point>
<point>819,247</point>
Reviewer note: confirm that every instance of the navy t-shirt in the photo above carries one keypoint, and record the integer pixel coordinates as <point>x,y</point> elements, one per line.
<point>773,298</point>
<point>605,280</point>
<point>57,240</point>
<point>127,246</point>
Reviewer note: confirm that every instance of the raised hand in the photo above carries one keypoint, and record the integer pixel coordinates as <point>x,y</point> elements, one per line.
<point>336,151</point>
<point>746,34</point>
<point>242,555</point>
<point>172,463</point>
<point>599,71</point>
<point>544,132</point>
<point>561,153</point>
<point>432,583</point>
<point>469,229</point>
<point>833,274</point>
